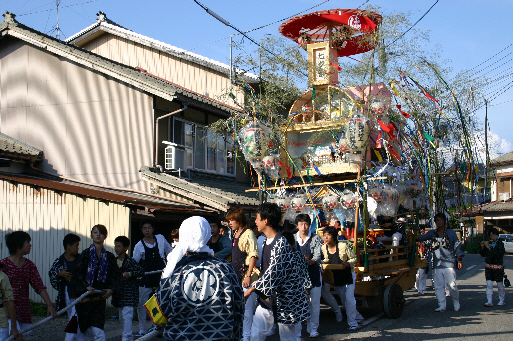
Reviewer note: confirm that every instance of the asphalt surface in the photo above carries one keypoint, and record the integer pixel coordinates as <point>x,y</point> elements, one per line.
<point>419,321</point>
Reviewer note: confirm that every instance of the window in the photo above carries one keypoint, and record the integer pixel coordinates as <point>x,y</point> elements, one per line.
<point>205,150</point>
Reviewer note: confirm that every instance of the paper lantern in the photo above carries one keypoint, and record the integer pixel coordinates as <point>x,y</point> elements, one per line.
<point>357,133</point>
<point>283,204</point>
<point>330,202</point>
<point>298,203</point>
<point>256,142</point>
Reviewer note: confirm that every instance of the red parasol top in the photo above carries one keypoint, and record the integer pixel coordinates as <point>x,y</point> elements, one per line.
<point>321,25</point>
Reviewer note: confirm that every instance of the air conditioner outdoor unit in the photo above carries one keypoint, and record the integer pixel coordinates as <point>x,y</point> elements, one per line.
<point>174,156</point>
<point>504,196</point>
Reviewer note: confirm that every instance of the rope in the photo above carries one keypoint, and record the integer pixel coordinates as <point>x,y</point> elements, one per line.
<point>60,312</point>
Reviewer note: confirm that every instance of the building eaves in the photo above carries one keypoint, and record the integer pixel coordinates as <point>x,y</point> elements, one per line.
<point>12,148</point>
<point>497,206</point>
<point>503,159</point>
<point>108,26</point>
<point>133,76</point>
<point>126,197</point>
<point>209,191</point>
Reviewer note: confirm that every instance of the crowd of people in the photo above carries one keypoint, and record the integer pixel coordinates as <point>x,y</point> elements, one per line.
<point>212,283</point>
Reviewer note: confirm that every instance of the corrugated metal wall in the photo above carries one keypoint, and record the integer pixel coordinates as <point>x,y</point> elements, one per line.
<point>48,216</point>
<point>182,72</point>
<point>91,127</point>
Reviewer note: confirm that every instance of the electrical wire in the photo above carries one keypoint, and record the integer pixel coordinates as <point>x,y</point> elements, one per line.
<point>51,9</point>
<point>258,28</point>
<point>412,26</point>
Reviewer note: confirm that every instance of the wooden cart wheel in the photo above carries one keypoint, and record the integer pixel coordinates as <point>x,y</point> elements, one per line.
<point>393,301</point>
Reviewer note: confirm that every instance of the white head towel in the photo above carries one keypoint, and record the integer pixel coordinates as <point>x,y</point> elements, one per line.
<point>194,235</point>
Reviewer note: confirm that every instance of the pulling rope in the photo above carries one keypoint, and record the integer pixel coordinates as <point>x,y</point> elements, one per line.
<point>60,312</point>
<point>71,305</point>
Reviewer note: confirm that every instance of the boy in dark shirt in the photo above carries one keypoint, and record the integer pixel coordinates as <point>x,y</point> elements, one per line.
<point>60,276</point>
<point>131,270</point>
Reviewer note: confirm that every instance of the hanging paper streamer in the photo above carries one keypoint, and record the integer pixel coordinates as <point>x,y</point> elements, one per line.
<point>357,133</point>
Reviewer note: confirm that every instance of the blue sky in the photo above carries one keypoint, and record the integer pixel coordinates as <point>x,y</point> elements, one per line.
<point>469,32</point>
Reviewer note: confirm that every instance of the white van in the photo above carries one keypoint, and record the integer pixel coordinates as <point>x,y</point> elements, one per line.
<point>508,242</point>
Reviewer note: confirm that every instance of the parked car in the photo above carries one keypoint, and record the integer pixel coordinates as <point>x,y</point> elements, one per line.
<point>507,239</point>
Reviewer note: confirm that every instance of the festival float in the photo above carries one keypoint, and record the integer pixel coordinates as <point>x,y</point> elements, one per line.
<point>354,154</point>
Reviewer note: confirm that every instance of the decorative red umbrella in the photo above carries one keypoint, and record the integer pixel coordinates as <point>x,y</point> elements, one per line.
<point>349,30</point>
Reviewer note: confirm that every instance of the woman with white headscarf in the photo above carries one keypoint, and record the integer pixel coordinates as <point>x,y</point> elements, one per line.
<point>200,295</point>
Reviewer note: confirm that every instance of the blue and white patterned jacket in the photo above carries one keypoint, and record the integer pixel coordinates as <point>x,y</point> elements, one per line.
<point>203,300</point>
<point>287,280</point>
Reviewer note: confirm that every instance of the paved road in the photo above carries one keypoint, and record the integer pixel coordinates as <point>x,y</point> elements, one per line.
<point>419,321</point>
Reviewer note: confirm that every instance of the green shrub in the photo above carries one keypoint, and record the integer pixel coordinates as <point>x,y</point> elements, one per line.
<point>474,246</point>
<point>38,309</point>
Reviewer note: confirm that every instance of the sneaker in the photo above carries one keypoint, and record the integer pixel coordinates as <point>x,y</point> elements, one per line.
<point>421,292</point>
<point>501,303</point>
<point>440,309</point>
<point>140,334</point>
<point>488,304</point>
<point>314,334</point>
<point>353,327</point>
<point>339,317</point>
<point>456,305</point>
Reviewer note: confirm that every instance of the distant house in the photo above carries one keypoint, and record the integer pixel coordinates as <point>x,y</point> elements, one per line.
<point>82,143</point>
<point>499,212</point>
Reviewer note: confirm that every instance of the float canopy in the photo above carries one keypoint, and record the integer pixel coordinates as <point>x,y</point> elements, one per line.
<point>323,25</point>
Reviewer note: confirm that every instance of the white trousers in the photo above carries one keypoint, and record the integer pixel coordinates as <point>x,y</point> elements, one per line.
<point>144,295</point>
<point>94,334</point>
<point>489,291</point>
<point>315,308</point>
<point>346,293</point>
<point>445,278</point>
<point>125,317</point>
<point>21,326</point>
<point>420,280</point>
<point>72,312</point>
<point>249,311</point>
<point>263,322</point>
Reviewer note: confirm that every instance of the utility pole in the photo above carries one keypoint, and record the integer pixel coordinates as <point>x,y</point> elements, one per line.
<point>487,162</point>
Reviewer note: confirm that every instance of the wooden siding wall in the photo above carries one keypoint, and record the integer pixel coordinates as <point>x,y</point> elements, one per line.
<point>91,127</point>
<point>190,75</point>
<point>48,216</point>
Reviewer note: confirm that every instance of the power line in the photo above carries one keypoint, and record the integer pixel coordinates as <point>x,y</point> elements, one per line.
<point>258,28</point>
<point>51,9</point>
<point>412,26</point>
<point>487,59</point>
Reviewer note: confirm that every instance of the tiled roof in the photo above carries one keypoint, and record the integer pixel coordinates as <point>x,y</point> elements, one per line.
<point>127,197</point>
<point>130,75</point>
<point>217,192</point>
<point>14,148</point>
<point>497,206</point>
<point>503,159</point>
<point>107,25</point>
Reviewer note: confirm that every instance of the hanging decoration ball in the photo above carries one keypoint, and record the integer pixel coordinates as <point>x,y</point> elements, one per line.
<point>348,199</point>
<point>330,202</point>
<point>378,107</point>
<point>376,193</point>
<point>357,133</point>
<point>283,204</point>
<point>391,194</point>
<point>268,162</point>
<point>298,203</point>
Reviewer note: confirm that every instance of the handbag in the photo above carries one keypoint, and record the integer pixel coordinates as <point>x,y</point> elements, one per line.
<point>157,316</point>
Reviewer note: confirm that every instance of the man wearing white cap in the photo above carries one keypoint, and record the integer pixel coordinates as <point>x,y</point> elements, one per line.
<point>200,295</point>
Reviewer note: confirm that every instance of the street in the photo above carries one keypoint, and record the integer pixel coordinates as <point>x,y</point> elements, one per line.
<point>419,320</point>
